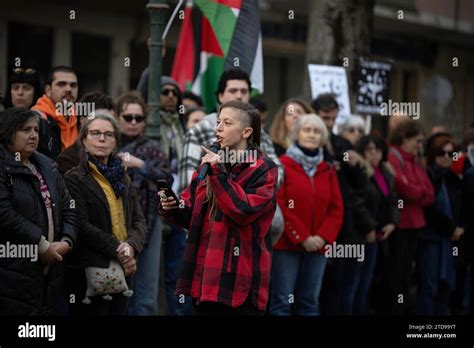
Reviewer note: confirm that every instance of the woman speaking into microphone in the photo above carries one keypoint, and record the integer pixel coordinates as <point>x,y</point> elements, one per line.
<point>226,266</point>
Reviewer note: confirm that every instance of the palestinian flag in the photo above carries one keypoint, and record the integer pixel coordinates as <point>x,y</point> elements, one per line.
<point>217,35</point>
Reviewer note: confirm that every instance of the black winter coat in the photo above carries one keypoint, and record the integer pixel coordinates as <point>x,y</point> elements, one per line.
<point>24,290</point>
<point>383,209</point>
<point>439,225</point>
<point>353,185</point>
<point>50,138</point>
<point>467,217</point>
<point>96,243</point>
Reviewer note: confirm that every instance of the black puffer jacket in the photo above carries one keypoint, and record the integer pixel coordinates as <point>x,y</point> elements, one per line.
<point>24,290</point>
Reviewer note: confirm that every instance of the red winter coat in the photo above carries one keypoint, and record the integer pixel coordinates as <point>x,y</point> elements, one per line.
<point>311,207</point>
<point>412,186</point>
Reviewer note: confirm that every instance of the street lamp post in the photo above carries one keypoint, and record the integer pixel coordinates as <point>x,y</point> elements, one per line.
<point>157,10</point>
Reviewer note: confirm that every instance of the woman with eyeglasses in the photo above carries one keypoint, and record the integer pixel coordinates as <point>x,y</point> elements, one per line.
<point>111,225</point>
<point>146,164</point>
<point>415,192</point>
<point>444,226</point>
<point>24,89</point>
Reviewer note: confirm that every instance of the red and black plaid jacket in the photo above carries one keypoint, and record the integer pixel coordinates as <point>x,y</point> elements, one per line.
<point>229,258</point>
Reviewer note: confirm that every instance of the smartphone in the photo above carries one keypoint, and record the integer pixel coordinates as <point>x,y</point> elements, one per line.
<point>163,185</point>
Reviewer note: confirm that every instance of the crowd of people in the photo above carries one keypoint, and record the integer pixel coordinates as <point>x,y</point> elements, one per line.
<point>313,223</point>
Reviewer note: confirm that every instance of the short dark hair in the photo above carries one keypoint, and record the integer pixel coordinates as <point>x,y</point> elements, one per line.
<point>435,144</point>
<point>379,143</point>
<point>31,79</point>
<point>325,102</point>
<point>193,97</point>
<point>190,111</point>
<point>258,104</point>
<point>99,99</point>
<point>405,130</point>
<point>132,97</point>
<point>59,68</point>
<point>11,120</point>
<point>232,74</point>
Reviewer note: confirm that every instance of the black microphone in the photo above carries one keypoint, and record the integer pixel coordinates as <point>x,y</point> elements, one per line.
<point>205,168</point>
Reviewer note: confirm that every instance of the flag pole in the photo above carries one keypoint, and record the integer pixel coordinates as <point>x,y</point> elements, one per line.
<point>165,33</point>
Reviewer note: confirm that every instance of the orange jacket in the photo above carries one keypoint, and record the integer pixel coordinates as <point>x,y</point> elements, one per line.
<point>68,126</point>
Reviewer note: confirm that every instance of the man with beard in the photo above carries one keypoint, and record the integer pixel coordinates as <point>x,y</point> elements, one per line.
<point>58,126</point>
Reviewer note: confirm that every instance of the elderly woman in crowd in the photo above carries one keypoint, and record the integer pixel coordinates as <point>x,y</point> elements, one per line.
<point>111,224</point>
<point>312,209</point>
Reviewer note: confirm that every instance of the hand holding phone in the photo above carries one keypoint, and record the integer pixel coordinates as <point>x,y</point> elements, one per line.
<point>168,198</point>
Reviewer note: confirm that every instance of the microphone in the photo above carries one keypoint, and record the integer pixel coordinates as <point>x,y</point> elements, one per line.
<point>205,168</point>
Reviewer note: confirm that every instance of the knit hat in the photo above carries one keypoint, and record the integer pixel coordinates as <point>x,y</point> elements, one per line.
<point>167,80</point>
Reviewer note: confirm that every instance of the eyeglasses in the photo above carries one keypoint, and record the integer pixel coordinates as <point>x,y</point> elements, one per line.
<point>95,134</point>
<point>446,153</point>
<point>28,71</point>
<point>130,117</point>
<point>166,92</point>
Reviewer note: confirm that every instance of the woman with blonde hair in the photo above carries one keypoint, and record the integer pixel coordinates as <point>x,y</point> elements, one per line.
<point>284,122</point>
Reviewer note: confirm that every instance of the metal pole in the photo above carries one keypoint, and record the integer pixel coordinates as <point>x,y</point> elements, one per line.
<point>157,10</point>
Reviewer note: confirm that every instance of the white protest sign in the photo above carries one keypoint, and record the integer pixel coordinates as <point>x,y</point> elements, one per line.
<point>331,79</point>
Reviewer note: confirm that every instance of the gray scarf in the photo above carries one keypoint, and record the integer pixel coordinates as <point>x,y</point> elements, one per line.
<point>309,163</point>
